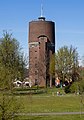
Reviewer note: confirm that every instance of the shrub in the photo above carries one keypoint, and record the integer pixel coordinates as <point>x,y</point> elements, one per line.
<point>67,89</point>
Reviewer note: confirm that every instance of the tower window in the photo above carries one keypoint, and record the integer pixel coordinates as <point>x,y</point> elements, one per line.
<point>35,57</point>
<point>35,65</point>
<point>36,82</point>
<point>42,38</point>
<point>35,72</point>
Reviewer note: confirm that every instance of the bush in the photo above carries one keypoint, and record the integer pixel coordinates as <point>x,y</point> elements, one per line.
<point>28,92</point>
<point>74,87</point>
<point>67,89</point>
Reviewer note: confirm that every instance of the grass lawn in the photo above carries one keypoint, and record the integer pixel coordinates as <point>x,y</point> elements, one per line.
<point>50,102</point>
<point>64,117</point>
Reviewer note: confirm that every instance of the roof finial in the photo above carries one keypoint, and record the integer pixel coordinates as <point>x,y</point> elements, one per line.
<point>41,10</point>
<point>41,17</point>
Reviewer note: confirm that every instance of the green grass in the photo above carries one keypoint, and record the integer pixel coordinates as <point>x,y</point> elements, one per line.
<point>64,117</point>
<point>65,103</point>
<point>50,102</point>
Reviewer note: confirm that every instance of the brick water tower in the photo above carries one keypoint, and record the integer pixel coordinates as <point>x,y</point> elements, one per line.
<point>41,48</point>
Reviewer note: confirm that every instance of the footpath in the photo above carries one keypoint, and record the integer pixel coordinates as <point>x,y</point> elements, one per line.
<point>47,114</point>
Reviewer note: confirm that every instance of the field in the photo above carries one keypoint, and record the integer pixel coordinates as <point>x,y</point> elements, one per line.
<point>37,103</point>
<point>49,102</point>
<point>64,117</point>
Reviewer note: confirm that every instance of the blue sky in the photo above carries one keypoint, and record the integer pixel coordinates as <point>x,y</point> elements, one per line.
<point>68,16</point>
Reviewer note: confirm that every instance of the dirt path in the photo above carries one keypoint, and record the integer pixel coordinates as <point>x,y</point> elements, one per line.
<point>49,114</point>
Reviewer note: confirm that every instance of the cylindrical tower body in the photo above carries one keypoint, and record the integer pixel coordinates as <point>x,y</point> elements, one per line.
<point>41,47</point>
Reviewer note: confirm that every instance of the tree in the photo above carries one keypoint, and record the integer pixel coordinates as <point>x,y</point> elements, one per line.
<point>66,64</point>
<point>12,65</point>
<point>78,88</point>
<point>52,70</point>
<point>12,62</point>
<point>9,106</point>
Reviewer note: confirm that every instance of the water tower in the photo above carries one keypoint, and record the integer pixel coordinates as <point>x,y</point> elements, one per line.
<point>41,48</point>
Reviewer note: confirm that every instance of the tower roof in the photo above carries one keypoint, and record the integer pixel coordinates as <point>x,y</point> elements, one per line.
<point>42,18</point>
